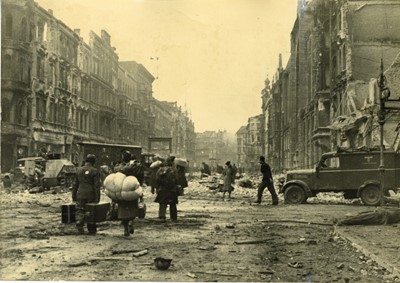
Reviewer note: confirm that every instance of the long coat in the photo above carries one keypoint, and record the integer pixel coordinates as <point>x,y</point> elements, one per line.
<point>228,179</point>
<point>87,184</point>
<point>127,210</point>
<point>167,191</point>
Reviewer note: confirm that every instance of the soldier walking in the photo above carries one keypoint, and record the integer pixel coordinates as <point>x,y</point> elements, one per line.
<point>267,182</point>
<point>86,189</point>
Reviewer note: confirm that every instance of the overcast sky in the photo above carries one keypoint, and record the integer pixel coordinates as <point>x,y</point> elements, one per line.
<point>213,55</point>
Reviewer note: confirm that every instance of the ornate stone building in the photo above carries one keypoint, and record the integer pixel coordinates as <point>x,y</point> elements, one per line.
<point>327,95</point>
<point>58,90</point>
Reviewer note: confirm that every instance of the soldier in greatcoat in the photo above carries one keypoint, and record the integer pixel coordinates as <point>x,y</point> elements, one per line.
<point>86,189</point>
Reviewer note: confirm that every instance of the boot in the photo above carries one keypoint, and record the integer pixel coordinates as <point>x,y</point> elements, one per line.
<point>81,231</point>
<point>126,229</point>
<point>92,228</point>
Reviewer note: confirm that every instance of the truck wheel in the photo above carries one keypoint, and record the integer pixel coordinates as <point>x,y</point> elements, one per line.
<point>295,194</point>
<point>371,195</point>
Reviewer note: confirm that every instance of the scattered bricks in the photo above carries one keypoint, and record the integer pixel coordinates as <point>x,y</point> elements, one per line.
<point>340,265</point>
<point>312,242</point>
<point>350,268</point>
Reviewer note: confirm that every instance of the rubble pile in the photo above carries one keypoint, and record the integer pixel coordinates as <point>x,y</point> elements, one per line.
<point>15,189</point>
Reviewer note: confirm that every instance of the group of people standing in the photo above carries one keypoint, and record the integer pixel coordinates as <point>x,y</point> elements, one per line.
<point>167,180</point>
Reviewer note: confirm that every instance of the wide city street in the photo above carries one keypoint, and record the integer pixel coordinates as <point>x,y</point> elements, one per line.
<point>213,240</point>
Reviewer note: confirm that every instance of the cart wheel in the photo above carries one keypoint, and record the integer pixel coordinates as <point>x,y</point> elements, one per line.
<point>371,195</point>
<point>295,194</point>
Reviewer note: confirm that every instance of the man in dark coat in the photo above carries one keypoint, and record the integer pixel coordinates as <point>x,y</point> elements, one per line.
<point>86,189</point>
<point>267,182</point>
<point>206,169</point>
<point>167,190</point>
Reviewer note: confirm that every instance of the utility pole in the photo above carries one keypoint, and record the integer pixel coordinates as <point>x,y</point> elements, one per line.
<point>381,124</point>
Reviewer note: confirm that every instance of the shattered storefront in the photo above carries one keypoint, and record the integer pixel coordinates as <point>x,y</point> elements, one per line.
<point>51,143</point>
<point>361,127</point>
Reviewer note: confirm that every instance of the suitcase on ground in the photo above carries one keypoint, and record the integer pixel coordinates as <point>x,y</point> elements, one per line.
<point>68,213</point>
<point>97,212</point>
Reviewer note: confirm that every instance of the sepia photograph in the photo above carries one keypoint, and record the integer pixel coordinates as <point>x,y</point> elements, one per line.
<point>200,140</point>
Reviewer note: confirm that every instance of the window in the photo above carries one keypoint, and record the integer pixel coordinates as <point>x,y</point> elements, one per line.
<point>9,25</point>
<point>32,32</point>
<point>24,30</point>
<point>51,115</point>
<point>5,110</point>
<point>40,31</point>
<point>6,67</point>
<point>21,71</point>
<point>40,67</point>
<point>332,162</point>
<point>19,113</point>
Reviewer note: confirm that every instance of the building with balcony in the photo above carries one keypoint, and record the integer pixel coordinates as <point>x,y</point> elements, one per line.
<point>58,90</point>
<point>327,95</point>
<point>142,105</point>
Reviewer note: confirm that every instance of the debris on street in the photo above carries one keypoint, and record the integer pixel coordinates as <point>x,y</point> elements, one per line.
<point>381,216</point>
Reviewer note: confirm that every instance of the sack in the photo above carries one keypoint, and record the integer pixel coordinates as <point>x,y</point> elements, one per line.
<point>142,209</point>
<point>181,162</point>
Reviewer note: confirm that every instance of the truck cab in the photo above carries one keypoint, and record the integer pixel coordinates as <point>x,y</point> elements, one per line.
<point>354,172</point>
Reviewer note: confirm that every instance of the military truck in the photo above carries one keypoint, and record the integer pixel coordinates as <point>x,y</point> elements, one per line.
<point>355,172</point>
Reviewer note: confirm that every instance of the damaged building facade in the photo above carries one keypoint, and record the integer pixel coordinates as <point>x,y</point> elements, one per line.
<point>327,96</point>
<point>214,148</point>
<point>58,90</point>
<point>250,143</point>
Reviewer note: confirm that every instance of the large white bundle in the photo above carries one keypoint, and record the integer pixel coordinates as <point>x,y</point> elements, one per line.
<point>119,180</point>
<point>132,195</point>
<point>109,182</point>
<point>155,164</point>
<point>130,184</point>
<point>120,187</point>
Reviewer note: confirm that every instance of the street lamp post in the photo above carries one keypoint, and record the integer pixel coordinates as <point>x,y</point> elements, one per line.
<point>381,124</point>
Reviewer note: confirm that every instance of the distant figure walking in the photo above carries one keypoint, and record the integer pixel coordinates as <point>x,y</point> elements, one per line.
<point>267,182</point>
<point>228,180</point>
<point>206,169</point>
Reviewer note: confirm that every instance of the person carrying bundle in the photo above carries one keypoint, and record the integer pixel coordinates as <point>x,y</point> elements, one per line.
<point>167,190</point>
<point>124,187</point>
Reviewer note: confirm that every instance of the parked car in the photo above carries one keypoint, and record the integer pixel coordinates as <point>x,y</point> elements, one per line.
<point>354,172</point>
